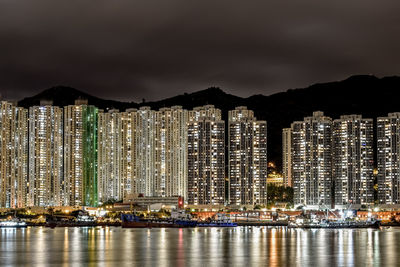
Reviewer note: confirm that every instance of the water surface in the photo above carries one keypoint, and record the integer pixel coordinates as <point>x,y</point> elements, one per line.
<point>241,246</point>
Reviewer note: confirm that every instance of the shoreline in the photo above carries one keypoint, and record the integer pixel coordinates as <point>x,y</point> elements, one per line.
<point>240,224</point>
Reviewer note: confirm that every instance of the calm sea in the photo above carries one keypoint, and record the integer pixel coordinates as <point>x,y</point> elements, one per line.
<point>242,246</point>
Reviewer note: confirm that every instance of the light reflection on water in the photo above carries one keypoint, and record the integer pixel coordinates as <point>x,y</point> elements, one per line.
<point>251,246</point>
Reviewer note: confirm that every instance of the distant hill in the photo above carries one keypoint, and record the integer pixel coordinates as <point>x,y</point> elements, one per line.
<point>363,94</point>
<point>64,96</point>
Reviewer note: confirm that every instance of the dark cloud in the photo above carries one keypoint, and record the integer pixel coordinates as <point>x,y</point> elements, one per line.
<point>129,50</point>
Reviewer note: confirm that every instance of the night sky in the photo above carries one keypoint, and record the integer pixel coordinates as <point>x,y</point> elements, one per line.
<point>129,50</point>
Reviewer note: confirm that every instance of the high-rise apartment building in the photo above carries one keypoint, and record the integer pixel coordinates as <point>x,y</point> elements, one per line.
<point>129,143</point>
<point>247,152</point>
<point>312,161</point>
<point>19,158</point>
<point>171,151</point>
<point>109,154</point>
<point>353,160</point>
<point>80,154</point>
<point>388,145</point>
<point>45,155</point>
<point>154,151</point>
<point>13,156</point>
<point>206,157</point>
<point>287,156</point>
<point>147,139</point>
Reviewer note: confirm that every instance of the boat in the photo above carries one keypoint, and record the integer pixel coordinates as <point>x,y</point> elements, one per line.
<point>219,220</point>
<point>347,219</point>
<point>133,221</point>
<point>338,224</point>
<point>178,219</point>
<point>13,223</point>
<point>82,220</point>
<point>85,219</point>
<point>183,219</point>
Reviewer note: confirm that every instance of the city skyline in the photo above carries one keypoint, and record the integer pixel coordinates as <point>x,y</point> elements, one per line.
<point>199,133</point>
<point>81,156</point>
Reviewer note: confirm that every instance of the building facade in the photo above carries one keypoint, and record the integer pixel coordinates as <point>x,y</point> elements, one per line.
<point>171,152</point>
<point>147,139</point>
<point>129,162</point>
<point>157,143</point>
<point>388,145</point>
<point>353,160</point>
<point>80,155</point>
<point>109,156</point>
<point>247,164</point>
<point>206,157</point>
<point>312,161</point>
<point>45,156</point>
<point>13,156</point>
<point>287,156</point>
